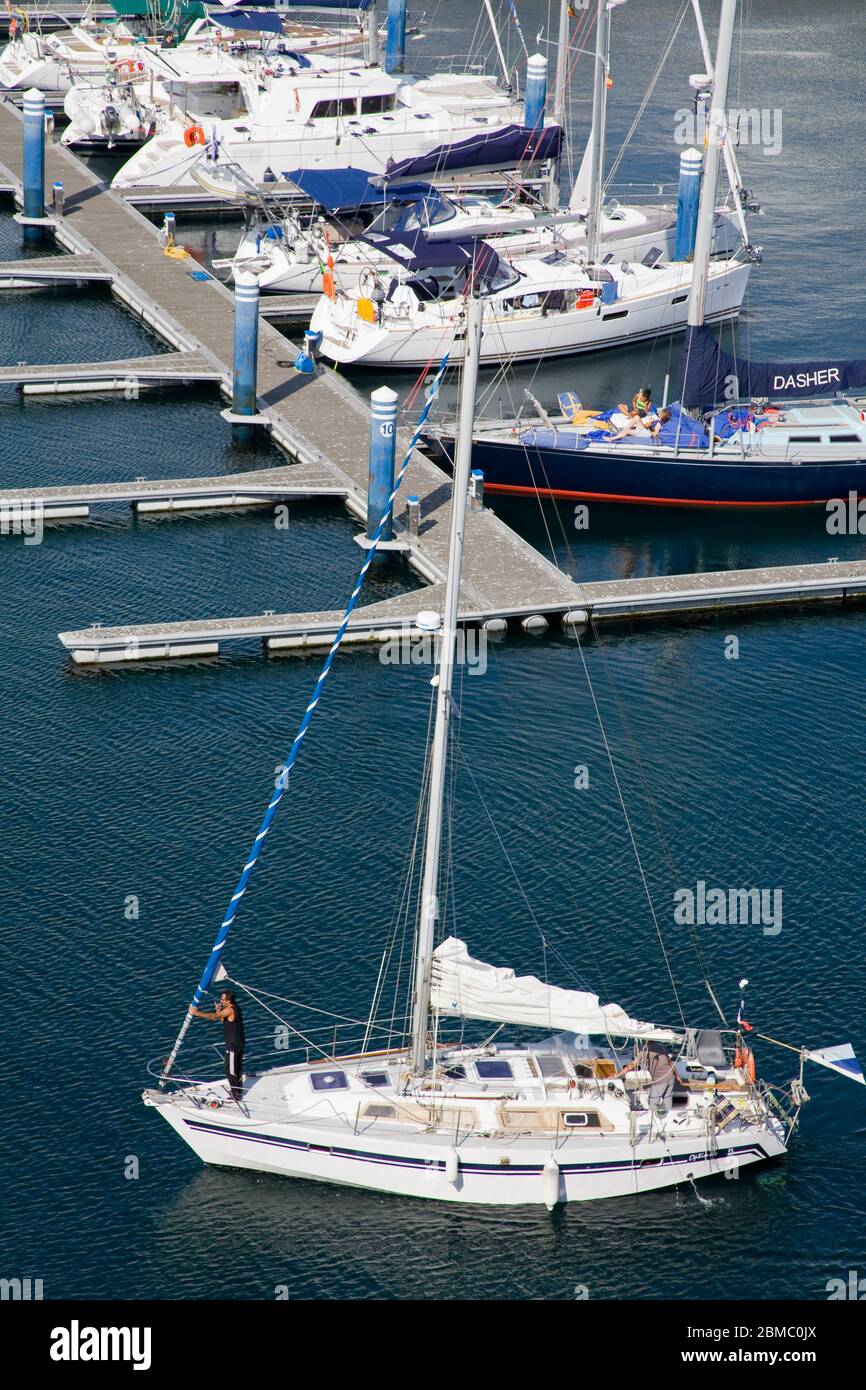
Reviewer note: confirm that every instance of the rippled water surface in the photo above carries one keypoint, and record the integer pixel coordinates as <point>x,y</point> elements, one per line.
<point>150,782</point>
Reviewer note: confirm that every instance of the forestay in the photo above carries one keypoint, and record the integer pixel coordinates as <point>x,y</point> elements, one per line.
<point>472,989</point>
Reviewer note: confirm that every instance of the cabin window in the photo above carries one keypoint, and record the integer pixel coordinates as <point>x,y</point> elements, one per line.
<point>804,439</point>
<point>375,1078</point>
<point>494,1070</point>
<point>429,213</point>
<point>374,106</point>
<point>457,1073</point>
<point>380,1112</point>
<point>582,1119</point>
<point>616,314</point>
<point>552,1065</point>
<point>338,106</point>
<point>329,1081</point>
<point>679,299</point>
<point>844,439</point>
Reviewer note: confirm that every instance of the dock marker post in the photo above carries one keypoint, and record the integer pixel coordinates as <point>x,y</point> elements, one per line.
<point>245,360</point>
<point>476,489</point>
<point>34,163</point>
<point>691,164</point>
<point>383,445</point>
<point>57,200</point>
<point>395,36</point>
<point>536,92</point>
<point>413,515</point>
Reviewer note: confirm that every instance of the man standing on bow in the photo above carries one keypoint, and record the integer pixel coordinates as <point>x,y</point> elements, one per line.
<point>228,1013</point>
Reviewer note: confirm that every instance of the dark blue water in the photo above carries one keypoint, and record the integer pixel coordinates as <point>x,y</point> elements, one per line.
<point>150,782</point>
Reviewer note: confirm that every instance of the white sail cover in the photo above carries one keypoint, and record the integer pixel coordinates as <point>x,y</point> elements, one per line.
<point>472,989</point>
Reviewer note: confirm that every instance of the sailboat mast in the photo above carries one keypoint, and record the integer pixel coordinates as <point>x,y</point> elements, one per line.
<point>599,115</point>
<point>488,5</point>
<point>716,137</point>
<point>735,179</point>
<point>559,102</point>
<point>429,905</point>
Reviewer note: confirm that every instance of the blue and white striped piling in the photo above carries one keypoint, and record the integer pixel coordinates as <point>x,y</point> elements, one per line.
<point>246,352</point>
<point>691,164</point>
<point>395,36</point>
<point>535,97</point>
<point>34,165</point>
<point>380,479</point>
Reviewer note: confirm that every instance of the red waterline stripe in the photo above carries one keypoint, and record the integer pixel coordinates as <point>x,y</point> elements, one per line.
<point>652,501</point>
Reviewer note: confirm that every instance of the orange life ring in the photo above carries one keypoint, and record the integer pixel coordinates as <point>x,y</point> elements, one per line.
<point>127,66</point>
<point>194,135</point>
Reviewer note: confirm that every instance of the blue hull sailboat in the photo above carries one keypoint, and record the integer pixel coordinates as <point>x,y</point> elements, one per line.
<point>745,434</point>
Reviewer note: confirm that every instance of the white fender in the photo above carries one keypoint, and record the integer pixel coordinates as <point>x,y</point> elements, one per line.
<point>550,1182</point>
<point>452,1165</point>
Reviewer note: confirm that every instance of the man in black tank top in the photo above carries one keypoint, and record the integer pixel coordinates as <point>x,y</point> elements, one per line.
<point>229,1014</point>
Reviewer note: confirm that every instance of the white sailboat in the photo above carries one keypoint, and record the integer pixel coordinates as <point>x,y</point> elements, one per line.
<point>89,51</point>
<point>492,1122</point>
<point>131,98</point>
<point>576,298</point>
<point>286,248</point>
<point>303,111</point>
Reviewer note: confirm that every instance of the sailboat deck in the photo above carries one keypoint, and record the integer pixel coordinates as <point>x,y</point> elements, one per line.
<point>495,1093</point>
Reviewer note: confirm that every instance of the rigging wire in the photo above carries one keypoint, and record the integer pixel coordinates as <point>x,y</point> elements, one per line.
<point>283,779</point>
<point>629,828</point>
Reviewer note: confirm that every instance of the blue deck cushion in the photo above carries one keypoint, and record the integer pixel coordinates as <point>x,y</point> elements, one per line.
<point>692,434</point>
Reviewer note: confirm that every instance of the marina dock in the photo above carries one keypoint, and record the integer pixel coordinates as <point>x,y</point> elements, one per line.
<point>322,425</point>
<point>319,420</point>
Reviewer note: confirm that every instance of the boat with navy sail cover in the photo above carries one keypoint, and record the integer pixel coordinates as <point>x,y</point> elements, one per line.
<point>287,248</point>
<point>744,433</point>
<point>307,110</point>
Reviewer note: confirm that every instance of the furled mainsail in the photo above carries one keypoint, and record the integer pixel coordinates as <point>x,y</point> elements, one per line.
<point>473,989</point>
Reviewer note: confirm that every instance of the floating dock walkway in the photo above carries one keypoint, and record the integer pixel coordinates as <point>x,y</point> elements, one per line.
<point>320,421</point>
<point>658,597</point>
<point>323,426</point>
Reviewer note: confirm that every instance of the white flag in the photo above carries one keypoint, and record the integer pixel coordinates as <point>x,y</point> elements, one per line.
<point>220,973</point>
<point>840,1058</point>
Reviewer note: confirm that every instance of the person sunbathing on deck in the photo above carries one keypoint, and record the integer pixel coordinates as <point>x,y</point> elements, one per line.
<point>648,426</point>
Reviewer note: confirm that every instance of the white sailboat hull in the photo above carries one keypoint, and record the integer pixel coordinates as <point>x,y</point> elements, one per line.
<point>523,1171</point>
<point>415,342</point>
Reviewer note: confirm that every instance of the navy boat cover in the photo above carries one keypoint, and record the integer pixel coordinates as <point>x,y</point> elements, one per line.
<point>416,253</point>
<point>505,147</point>
<point>712,376</point>
<point>342,189</point>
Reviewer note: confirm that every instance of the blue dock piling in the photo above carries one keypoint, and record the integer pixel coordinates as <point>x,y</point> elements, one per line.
<point>691,164</point>
<point>395,36</point>
<point>383,444</point>
<point>536,92</point>
<point>246,352</point>
<point>34,165</point>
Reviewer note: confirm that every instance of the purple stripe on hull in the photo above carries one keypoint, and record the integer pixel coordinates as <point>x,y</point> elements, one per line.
<point>510,1170</point>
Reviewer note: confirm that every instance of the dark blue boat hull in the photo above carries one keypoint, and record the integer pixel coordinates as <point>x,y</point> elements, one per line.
<point>647,479</point>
